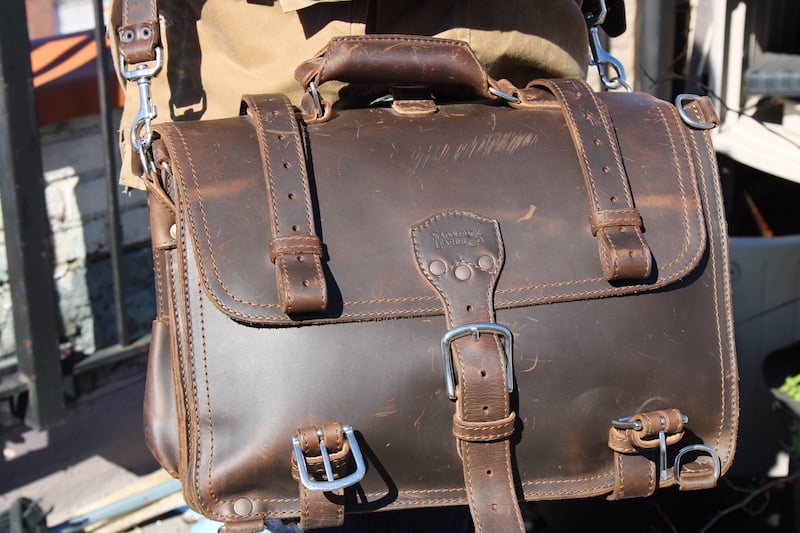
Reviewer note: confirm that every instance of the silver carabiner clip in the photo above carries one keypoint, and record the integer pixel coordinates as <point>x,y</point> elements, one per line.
<point>600,57</point>
<point>141,135</point>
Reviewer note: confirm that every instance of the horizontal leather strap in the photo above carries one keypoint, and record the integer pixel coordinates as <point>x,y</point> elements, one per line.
<point>668,421</point>
<point>698,475</point>
<point>484,431</point>
<point>294,246</point>
<point>617,217</point>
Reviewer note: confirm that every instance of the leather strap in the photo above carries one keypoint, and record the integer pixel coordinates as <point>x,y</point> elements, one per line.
<point>255,525</point>
<point>614,219</point>
<point>295,248</point>
<point>635,452</point>
<point>320,509</point>
<point>460,254</point>
<point>140,31</point>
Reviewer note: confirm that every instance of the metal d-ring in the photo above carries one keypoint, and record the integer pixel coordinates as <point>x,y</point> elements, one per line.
<point>680,102</point>
<point>697,448</point>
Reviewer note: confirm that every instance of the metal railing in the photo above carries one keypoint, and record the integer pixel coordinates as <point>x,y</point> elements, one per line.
<point>28,235</point>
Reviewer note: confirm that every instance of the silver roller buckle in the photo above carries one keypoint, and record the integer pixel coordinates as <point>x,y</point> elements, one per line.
<point>330,483</point>
<point>626,423</point>
<point>475,331</point>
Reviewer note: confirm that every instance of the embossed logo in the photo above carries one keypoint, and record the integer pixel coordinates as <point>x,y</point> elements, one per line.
<point>469,237</point>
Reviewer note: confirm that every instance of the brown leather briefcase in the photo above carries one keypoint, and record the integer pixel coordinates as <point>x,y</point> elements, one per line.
<point>517,295</point>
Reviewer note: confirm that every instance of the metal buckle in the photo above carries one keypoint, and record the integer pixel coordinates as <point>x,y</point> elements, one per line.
<point>697,448</point>
<point>600,58</point>
<point>504,95</point>
<point>475,331</point>
<point>312,88</point>
<point>679,103</point>
<point>330,483</point>
<point>626,423</point>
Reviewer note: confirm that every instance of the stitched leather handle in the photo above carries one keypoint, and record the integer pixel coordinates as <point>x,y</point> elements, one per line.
<point>444,65</point>
<point>396,59</point>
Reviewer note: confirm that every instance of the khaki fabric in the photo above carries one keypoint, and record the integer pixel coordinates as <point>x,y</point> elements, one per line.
<point>217,50</point>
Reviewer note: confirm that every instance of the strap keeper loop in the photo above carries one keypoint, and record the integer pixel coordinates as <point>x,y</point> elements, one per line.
<point>491,431</point>
<point>300,245</point>
<point>607,218</point>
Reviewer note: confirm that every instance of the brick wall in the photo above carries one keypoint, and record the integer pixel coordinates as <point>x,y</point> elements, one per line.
<point>72,158</point>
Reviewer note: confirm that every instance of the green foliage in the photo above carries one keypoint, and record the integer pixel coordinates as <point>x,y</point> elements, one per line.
<point>791,386</point>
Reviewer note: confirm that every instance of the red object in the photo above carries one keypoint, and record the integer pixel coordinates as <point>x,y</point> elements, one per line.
<point>64,70</point>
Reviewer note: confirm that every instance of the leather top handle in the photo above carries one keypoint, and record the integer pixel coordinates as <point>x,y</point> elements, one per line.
<point>400,60</point>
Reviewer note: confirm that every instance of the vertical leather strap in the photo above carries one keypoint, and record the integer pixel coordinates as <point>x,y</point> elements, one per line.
<point>295,248</point>
<point>139,33</point>
<point>634,475</point>
<point>460,254</point>
<point>615,221</point>
<point>319,509</point>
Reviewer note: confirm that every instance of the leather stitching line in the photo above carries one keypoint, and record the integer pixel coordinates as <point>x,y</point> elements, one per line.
<point>677,165</point>
<point>726,295</point>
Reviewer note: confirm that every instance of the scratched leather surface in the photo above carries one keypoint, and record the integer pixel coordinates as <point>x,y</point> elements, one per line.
<point>586,350</point>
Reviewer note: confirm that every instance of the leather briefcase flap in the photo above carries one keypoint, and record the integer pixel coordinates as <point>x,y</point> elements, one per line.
<point>372,184</point>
